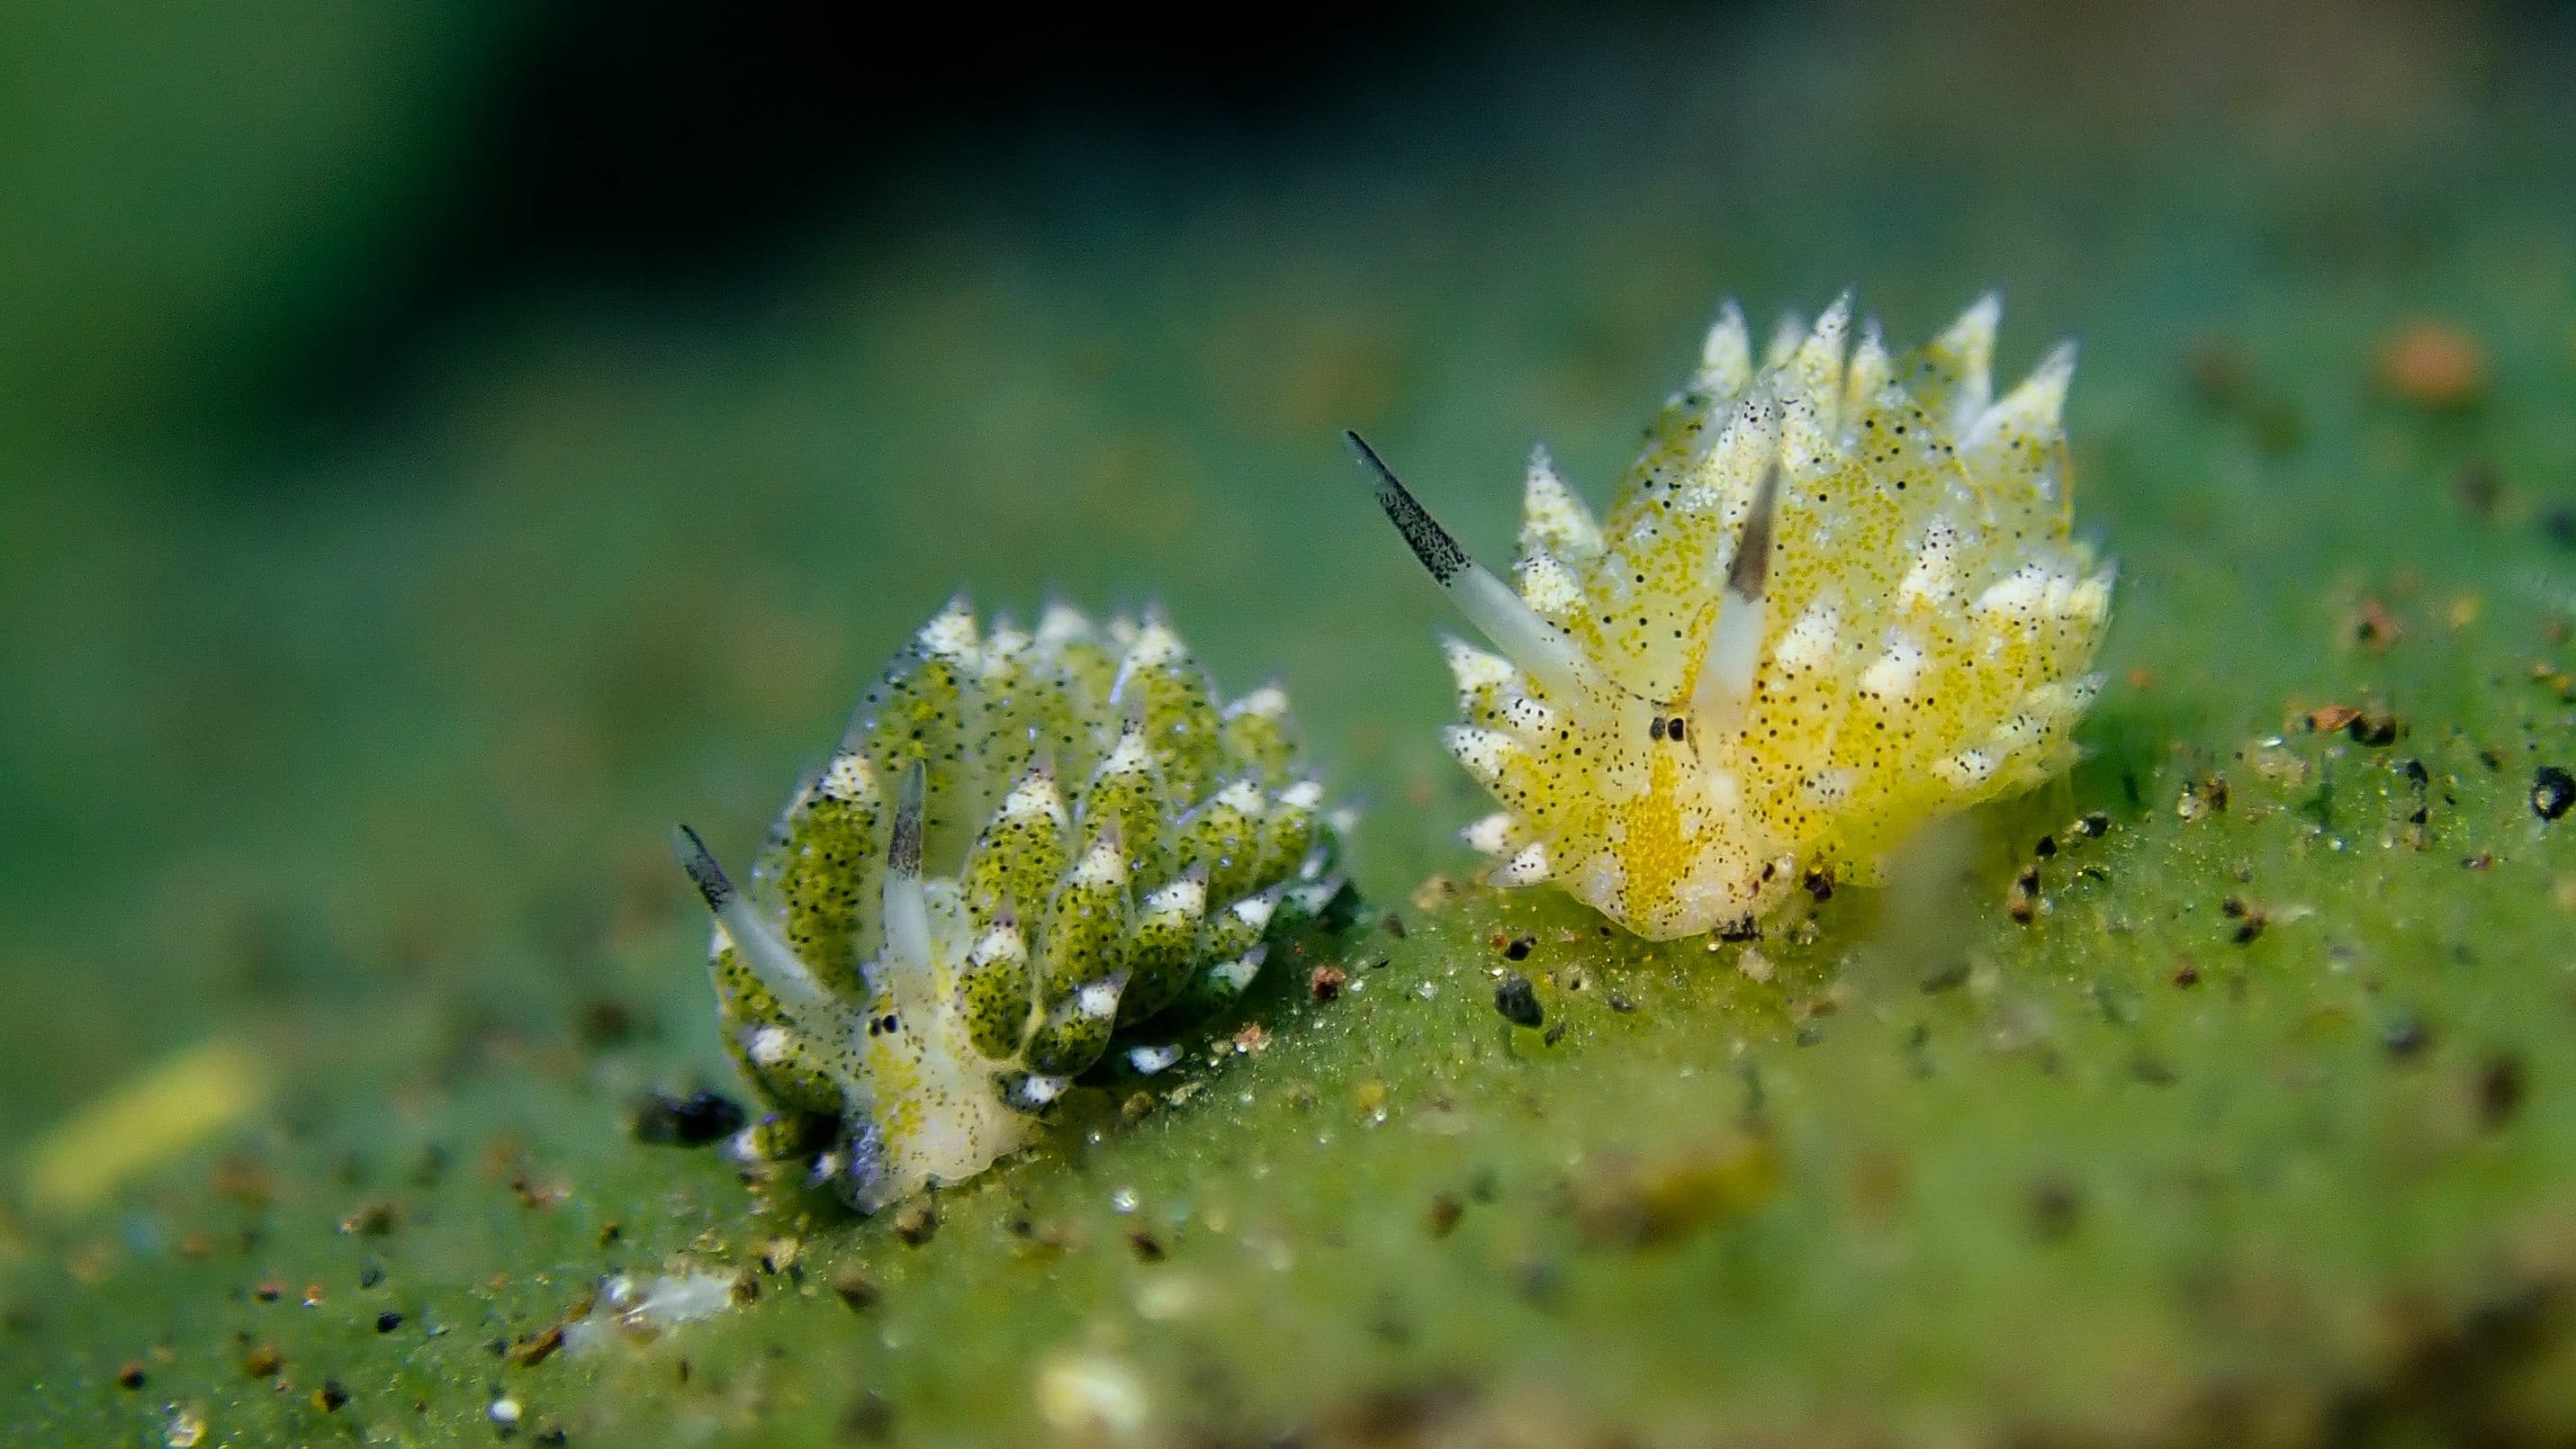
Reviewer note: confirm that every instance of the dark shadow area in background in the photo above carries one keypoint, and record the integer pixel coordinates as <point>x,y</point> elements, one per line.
<point>676,151</point>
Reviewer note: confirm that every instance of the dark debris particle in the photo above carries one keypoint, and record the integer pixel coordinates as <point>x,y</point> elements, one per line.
<point>129,1375</point>
<point>1517,1000</point>
<point>268,1290</point>
<point>2045,847</point>
<point>869,1421</point>
<point>373,1218</point>
<point>1325,983</point>
<point>1444,1215</point>
<point>915,1222</point>
<point>2250,919</point>
<point>2203,796</point>
<point>1392,924</point>
<point>1388,1323</point>
<point>2218,371</point>
<point>1541,1282</point>
<point>1944,978</point>
<point>429,1169</point>
<point>2503,1086</point>
<point>691,1121</point>
<point>1554,1034</point>
<point>536,1348</point>
<point>2376,629</point>
<point>372,1274</point>
<point>330,1398</point>
<point>2375,727</point>
<point>2055,1207</point>
<point>854,1287</point>
<point>2405,1036</point>
<point>388,1321</point>
<point>2478,487</point>
<point>605,1022</point>
<point>2553,790</point>
<point>1520,948</point>
<point>1146,1247</point>
<point>2021,901</point>
<point>2483,860</point>
<point>1621,1004</point>
<point>2186,972</point>
<point>1819,882</point>
<point>2094,825</point>
<point>263,1362</point>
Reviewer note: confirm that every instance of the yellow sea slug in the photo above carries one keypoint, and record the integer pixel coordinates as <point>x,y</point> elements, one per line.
<point>1835,599</point>
<point>1035,855</point>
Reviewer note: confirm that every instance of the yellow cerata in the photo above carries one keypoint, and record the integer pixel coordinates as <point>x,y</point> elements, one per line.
<point>1835,599</point>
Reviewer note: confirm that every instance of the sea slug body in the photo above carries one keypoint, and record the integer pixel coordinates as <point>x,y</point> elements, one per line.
<point>1034,855</point>
<point>1835,599</point>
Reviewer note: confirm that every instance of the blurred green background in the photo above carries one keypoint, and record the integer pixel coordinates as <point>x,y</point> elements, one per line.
<point>440,446</point>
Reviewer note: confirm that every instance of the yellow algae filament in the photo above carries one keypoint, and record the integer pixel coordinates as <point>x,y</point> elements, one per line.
<point>143,1121</point>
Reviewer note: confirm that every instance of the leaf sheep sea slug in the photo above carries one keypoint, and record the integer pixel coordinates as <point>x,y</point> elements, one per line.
<point>1835,598</point>
<point>1033,854</point>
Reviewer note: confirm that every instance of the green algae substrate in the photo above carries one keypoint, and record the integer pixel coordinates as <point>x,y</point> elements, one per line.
<point>2223,1092</point>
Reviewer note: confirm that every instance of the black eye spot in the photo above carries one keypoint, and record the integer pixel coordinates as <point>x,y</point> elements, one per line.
<point>1674,728</point>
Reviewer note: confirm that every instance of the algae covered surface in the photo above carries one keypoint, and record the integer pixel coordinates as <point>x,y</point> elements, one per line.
<point>2225,1093</point>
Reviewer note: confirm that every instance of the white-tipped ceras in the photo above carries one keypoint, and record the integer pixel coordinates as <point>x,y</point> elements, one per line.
<point>1835,598</point>
<point>1034,855</point>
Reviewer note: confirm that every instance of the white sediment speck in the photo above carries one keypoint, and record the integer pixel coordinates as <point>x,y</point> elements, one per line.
<point>1093,1396</point>
<point>643,1311</point>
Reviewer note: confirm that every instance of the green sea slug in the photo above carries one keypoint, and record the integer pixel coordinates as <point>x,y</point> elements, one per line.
<point>1034,855</point>
<point>1835,599</point>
